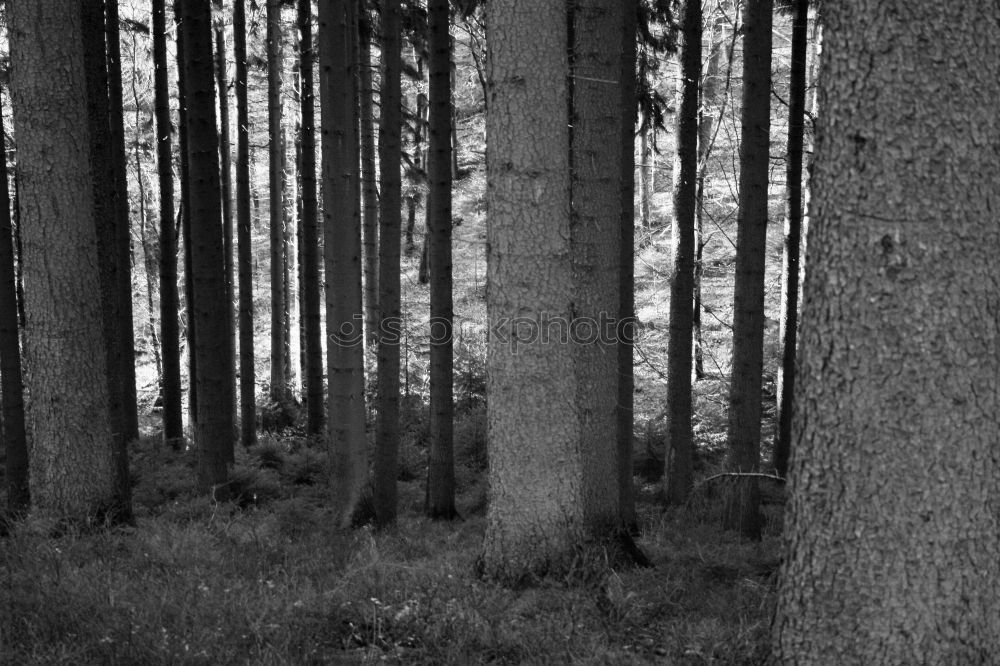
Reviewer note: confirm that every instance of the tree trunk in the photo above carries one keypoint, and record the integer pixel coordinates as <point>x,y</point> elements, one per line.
<point>626,289</point>
<point>248,378</point>
<point>214,434</point>
<point>192,342</point>
<point>12,387</point>
<point>279,393</point>
<point>103,172</point>
<point>440,501</point>
<point>595,166</point>
<point>72,459</point>
<point>793,236</point>
<point>742,510</point>
<point>647,172</point>
<point>535,516</point>
<point>342,226</point>
<point>173,424</point>
<point>310,228</point>
<point>893,555</point>
<point>368,175</point>
<point>123,235</point>
<point>680,437</point>
<point>390,323</point>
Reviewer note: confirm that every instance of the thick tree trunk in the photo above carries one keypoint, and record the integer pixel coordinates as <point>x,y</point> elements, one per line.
<point>440,501</point>
<point>276,184</point>
<point>793,237</point>
<point>390,323</point>
<point>893,555</point>
<point>214,435</point>
<point>342,227</point>
<point>173,422</point>
<point>680,437</point>
<point>369,187</point>
<point>535,517</point>
<point>123,236</point>
<point>248,385</point>
<point>626,288</point>
<point>595,165</point>
<point>103,171</point>
<point>72,459</point>
<point>192,342</point>
<point>742,510</point>
<point>12,387</point>
<point>310,228</point>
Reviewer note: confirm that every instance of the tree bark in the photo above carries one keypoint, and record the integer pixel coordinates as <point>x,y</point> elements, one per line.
<point>793,237</point>
<point>214,434</point>
<point>279,393</point>
<point>742,510</point>
<point>390,324</point>
<point>647,172</point>
<point>440,501</point>
<point>310,228</point>
<point>248,379</point>
<point>892,548</point>
<point>368,176</point>
<point>595,167</point>
<point>12,387</point>
<point>680,437</point>
<point>535,516</point>
<point>342,227</point>
<point>72,458</point>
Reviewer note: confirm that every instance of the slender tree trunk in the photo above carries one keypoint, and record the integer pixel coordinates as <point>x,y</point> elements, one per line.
<point>742,511</point>
<point>368,176</point>
<point>173,424</point>
<point>342,225</point>
<point>595,166</point>
<point>123,236</point>
<point>103,171</point>
<point>214,434</point>
<point>244,225</point>
<point>892,549</point>
<point>149,265</point>
<point>12,387</point>
<point>310,228</point>
<point>440,501</point>
<point>680,437</point>
<point>277,204</point>
<point>647,172</point>
<point>390,323</point>
<point>19,251</point>
<point>72,458</point>
<point>626,288</point>
<point>793,236</point>
<point>192,342</point>
<point>535,517</point>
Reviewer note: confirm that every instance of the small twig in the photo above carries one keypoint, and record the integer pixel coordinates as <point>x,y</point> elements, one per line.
<point>755,475</point>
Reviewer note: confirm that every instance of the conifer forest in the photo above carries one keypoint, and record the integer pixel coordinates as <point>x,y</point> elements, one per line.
<point>499,332</point>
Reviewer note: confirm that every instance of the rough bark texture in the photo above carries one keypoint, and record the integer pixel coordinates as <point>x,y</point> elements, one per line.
<point>892,537</point>
<point>14,433</point>
<point>595,120</point>
<point>342,228</point>
<point>680,438</point>
<point>310,228</point>
<point>441,464</point>
<point>390,153</point>
<point>71,458</point>
<point>276,185</point>
<point>248,387</point>
<point>103,172</point>
<point>742,511</point>
<point>626,276</point>
<point>123,237</point>
<point>535,515</point>
<point>369,187</point>
<point>793,236</point>
<point>214,433</point>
